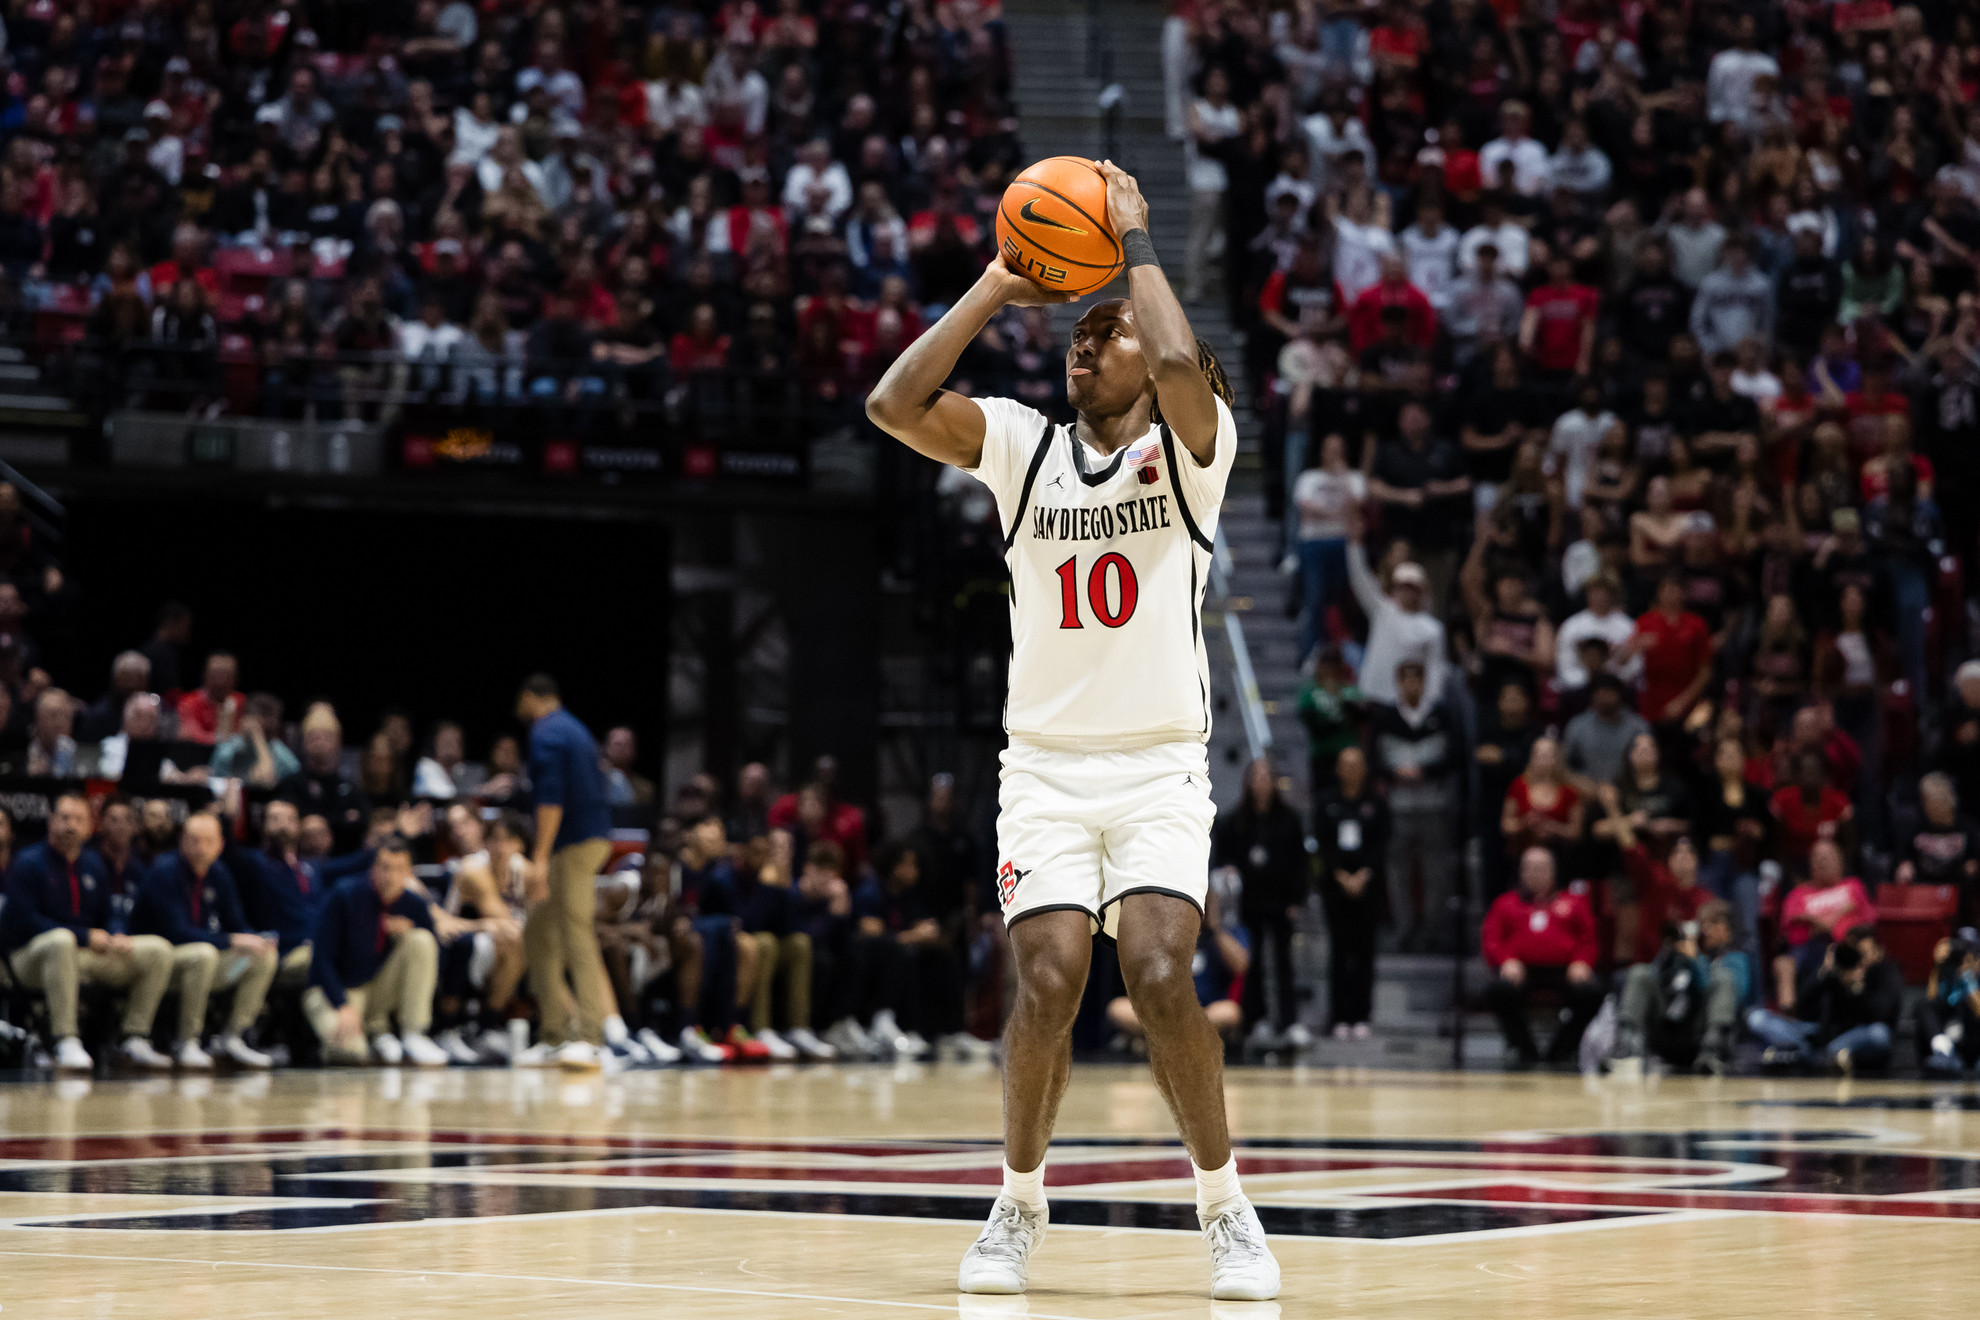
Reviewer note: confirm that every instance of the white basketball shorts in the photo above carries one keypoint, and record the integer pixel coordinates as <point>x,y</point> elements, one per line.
<point>1082,830</point>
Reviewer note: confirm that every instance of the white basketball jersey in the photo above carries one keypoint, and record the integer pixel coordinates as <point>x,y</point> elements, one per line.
<point>1109,558</point>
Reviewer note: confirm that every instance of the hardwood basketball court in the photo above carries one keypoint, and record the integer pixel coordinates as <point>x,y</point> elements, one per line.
<point>853,1192</point>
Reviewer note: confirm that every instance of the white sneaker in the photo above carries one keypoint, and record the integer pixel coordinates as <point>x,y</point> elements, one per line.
<point>658,1050</point>
<point>493,1046</point>
<point>386,1049</point>
<point>536,1056</point>
<point>192,1058</point>
<point>889,1041</point>
<point>633,1051</point>
<point>1298,1037</point>
<point>243,1055</point>
<point>1242,1268</point>
<point>1361,1031</point>
<point>995,1262</point>
<point>70,1056</point>
<point>780,1049</point>
<point>423,1052</point>
<point>966,1048</point>
<point>138,1052</point>
<point>699,1049</point>
<point>1263,1038</point>
<point>576,1056</point>
<point>456,1047</point>
<point>851,1042</point>
<point>810,1046</point>
<point>917,1046</point>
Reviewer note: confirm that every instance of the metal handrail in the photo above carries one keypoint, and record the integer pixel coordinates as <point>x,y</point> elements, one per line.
<point>1251,707</point>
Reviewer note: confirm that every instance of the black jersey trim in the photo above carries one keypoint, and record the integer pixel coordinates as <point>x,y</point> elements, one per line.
<point>1196,640</point>
<point>1150,889</point>
<point>1030,476</point>
<point>1105,474</point>
<point>1091,915</point>
<point>1175,487</point>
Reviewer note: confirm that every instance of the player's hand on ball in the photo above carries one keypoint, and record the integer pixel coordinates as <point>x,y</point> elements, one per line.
<point>1126,207</point>
<point>1017,290</point>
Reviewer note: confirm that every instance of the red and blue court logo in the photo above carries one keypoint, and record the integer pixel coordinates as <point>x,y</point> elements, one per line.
<point>288,1180</point>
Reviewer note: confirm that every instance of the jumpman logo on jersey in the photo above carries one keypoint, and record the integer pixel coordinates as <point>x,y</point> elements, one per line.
<point>1058,482</point>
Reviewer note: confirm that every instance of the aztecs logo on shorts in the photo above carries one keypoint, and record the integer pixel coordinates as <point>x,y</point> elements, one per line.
<point>1008,877</point>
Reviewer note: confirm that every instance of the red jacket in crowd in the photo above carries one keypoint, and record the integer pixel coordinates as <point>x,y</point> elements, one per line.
<point>1553,933</point>
<point>844,825</point>
<point>1660,898</point>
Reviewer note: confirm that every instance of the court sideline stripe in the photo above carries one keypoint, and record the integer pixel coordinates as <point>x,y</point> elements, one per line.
<point>513,1278</point>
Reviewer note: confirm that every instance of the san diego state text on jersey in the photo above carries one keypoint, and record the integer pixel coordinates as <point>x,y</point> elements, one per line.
<point>1102,522</point>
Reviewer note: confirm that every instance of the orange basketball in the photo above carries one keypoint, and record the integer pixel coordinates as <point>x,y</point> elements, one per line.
<point>1052,226</point>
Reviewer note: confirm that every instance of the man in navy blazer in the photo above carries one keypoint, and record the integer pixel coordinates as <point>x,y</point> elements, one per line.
<point>61,930</point>
<point>188,897</point>
<point>375,960</point>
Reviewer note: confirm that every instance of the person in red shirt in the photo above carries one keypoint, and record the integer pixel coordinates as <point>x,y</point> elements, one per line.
<point>757,217</point>
<point>820,815</point>
<point>1392,290</point>
<point>700,347</point>
<point>1557,332</point>
<point>1871,410</point>
<point>1822,909</point>
<point>1676,647</point>
<point>1815,730</point>
<point>1811,810</point>
<point>1667,890</point>
<point>212,711</point>
<point>1304,298</point>
<point>1538,937</point>
<point>187,262</point>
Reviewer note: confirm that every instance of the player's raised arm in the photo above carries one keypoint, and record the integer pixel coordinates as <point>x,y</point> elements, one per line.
<point>910,404</point>
<point>1160,326</point>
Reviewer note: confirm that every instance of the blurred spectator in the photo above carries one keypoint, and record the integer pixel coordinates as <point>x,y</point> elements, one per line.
<point>321,788</point>
<point>257,755</point>
<point>130,673</point>
<point>1539,938</point>
<point>212,712</point>
<point>51,748</point>
<point>1262,841</point>
<point>1351,822</point>
<point>1416,749</point>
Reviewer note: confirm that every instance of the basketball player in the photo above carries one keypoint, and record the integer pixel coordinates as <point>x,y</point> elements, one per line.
<point>1105,800</point>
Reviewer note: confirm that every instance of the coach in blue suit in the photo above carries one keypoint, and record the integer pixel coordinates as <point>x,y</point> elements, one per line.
<point>189,898</point>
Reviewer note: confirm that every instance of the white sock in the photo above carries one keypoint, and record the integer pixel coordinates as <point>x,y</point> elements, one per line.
<point>615,1030</point>
<point>1027,1189</point>
<point>1217,1190</point>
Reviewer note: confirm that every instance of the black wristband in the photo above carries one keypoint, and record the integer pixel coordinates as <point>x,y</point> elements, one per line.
<point>1138,249</point>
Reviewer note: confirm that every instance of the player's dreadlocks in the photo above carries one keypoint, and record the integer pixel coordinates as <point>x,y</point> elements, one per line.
<point>1213,372</point>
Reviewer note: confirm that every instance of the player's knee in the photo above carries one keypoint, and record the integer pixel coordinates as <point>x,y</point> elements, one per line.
<point>197,955</point>
<point>1159,982</point>
<point>1050,988</point>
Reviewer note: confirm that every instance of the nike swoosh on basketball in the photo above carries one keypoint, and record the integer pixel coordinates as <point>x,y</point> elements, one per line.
<point>1026,212</point>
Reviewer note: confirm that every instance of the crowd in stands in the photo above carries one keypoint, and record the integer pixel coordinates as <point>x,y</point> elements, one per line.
<point>363,205</point>
<point>1617,365</point>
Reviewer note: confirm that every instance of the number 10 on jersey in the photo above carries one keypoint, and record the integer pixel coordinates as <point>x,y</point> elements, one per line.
<point>1110,590</point>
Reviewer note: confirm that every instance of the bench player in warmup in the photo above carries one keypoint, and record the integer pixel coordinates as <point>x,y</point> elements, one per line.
<point>1105,811</point>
